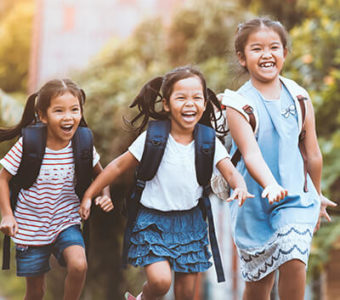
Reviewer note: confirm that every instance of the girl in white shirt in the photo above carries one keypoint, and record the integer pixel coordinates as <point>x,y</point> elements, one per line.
<point>169,232</point>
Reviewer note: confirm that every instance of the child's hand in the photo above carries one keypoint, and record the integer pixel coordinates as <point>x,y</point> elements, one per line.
<point>274,193</point>
<point>104,202</point>
<point>85,208</point>
<point>325,202</point>
<point>241,195</point>
<point>9,226</point>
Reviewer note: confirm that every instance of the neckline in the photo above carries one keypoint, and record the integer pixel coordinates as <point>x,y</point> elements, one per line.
<point>182,145</point>
<point>59,150</point>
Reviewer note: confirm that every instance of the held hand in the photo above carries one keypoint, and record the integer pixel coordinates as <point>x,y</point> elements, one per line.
<point>241,195</point>
<point>325,202</point>
<point>9,226</point>
<point>104,202</point>
<point>274,193</point>
<point>85,208</point>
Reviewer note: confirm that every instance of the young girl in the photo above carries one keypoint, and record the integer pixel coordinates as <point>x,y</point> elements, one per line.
<point>46,219</point>
<point>275,234</point>
<point>170,233</point>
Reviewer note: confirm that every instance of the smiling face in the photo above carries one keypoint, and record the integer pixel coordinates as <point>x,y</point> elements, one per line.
<point>186,104</point>
<point>263,56</point>
<point>62,119</point>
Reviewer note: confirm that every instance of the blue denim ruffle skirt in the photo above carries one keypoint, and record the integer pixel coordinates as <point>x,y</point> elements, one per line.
<point>179,237</point>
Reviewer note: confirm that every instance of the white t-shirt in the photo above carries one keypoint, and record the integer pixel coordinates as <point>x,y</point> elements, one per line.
<point>50,205</point>
<point>174,186</point>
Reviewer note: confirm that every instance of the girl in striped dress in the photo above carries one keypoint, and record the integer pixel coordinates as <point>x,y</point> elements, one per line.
<point>46,219</point>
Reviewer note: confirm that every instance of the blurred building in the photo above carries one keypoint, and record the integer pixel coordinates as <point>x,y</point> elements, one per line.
<point>67,33</point>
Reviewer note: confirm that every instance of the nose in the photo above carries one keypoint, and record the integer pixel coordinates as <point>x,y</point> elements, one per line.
<point>68,115</point>
<point>267,52</point>
<point>189,102</point>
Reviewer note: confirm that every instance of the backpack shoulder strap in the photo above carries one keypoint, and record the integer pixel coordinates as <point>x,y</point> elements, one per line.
<point>34,144</point>
<point>204,153</point>
<point>82,144</point>
<point>155,143</point>
<point>33,150</point>
<point>154,147</point>
<point>205,140</point>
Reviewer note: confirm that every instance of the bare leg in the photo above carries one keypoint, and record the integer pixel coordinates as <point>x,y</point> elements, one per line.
<point>35,287</point>
<point>185,285</point>
<point>292,280</point>
<point>76,271</point>
<point>158,280</point>
<point>259,290</point>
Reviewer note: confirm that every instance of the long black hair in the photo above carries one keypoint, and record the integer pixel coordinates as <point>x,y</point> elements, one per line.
<point>40,101</point>
<point>154,91</point>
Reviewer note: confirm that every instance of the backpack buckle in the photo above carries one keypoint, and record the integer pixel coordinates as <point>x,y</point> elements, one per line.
<point>140,184</point>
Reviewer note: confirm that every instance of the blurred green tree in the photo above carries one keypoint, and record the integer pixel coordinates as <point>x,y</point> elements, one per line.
<point>15,35</point>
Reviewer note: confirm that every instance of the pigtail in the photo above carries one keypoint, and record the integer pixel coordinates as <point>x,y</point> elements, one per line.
<point>146,102</point>
<point>82,100</point>
<point>213,109</point>
<point>27,118</point>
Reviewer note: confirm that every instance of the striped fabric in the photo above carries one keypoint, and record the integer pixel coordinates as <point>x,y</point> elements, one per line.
<point>50,205</point>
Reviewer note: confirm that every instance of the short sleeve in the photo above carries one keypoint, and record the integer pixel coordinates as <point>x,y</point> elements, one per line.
<point>220,152</point>
<point>96,156</point>
<point>137,147</point>
<point>237,101</point>
<point>12,159</point>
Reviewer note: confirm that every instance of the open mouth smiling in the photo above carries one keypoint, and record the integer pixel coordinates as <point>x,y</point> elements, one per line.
<point>267,65</point>
<point>67,128</point>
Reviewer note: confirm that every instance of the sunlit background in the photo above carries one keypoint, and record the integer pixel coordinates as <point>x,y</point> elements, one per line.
<point>112,47</point>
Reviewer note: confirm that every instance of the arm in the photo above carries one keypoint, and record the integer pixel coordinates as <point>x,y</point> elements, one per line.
<point>104,200</point>
<point>314,160</point>
<point>235,180</point>
<point>244,138</point>
<point>8,224</point>
<point>111,172</point>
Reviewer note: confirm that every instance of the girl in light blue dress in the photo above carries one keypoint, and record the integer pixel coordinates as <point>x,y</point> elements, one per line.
<point>274,234</point>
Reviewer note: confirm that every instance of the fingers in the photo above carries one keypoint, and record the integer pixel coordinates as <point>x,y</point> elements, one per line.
<point>274,193</point>
<point>327,216</point>
<point>326,202</point>
<point>104,202</point>
<point>85,208</point>
<point>9,227</point>
<point>241,195</point>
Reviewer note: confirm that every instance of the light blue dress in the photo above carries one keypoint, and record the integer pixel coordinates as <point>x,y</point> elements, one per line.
<point>269,235</point>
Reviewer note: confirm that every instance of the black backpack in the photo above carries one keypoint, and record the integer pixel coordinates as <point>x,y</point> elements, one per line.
<point>155,143</point>
<point>34,144</point>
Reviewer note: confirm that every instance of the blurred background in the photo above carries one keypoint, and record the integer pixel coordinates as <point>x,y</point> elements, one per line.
<point>111,48</point>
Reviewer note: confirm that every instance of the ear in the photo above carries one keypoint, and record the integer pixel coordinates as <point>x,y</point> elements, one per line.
<point>285,52</point>
<point>42,117</point>
<point>241,59</point>
<point>166,105</point>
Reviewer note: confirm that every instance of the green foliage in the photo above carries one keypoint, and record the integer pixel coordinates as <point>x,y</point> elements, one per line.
<point>15,36</point>
<point>323,242</point>
<point>314,62</point>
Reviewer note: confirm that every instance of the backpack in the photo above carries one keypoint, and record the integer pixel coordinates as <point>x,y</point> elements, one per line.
<point>34,144</point>
<point>237,101</point>
<point>155,143</point>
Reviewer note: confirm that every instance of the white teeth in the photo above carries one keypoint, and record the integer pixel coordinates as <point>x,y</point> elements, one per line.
<point>267,65</point>
<point>67,127</point>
